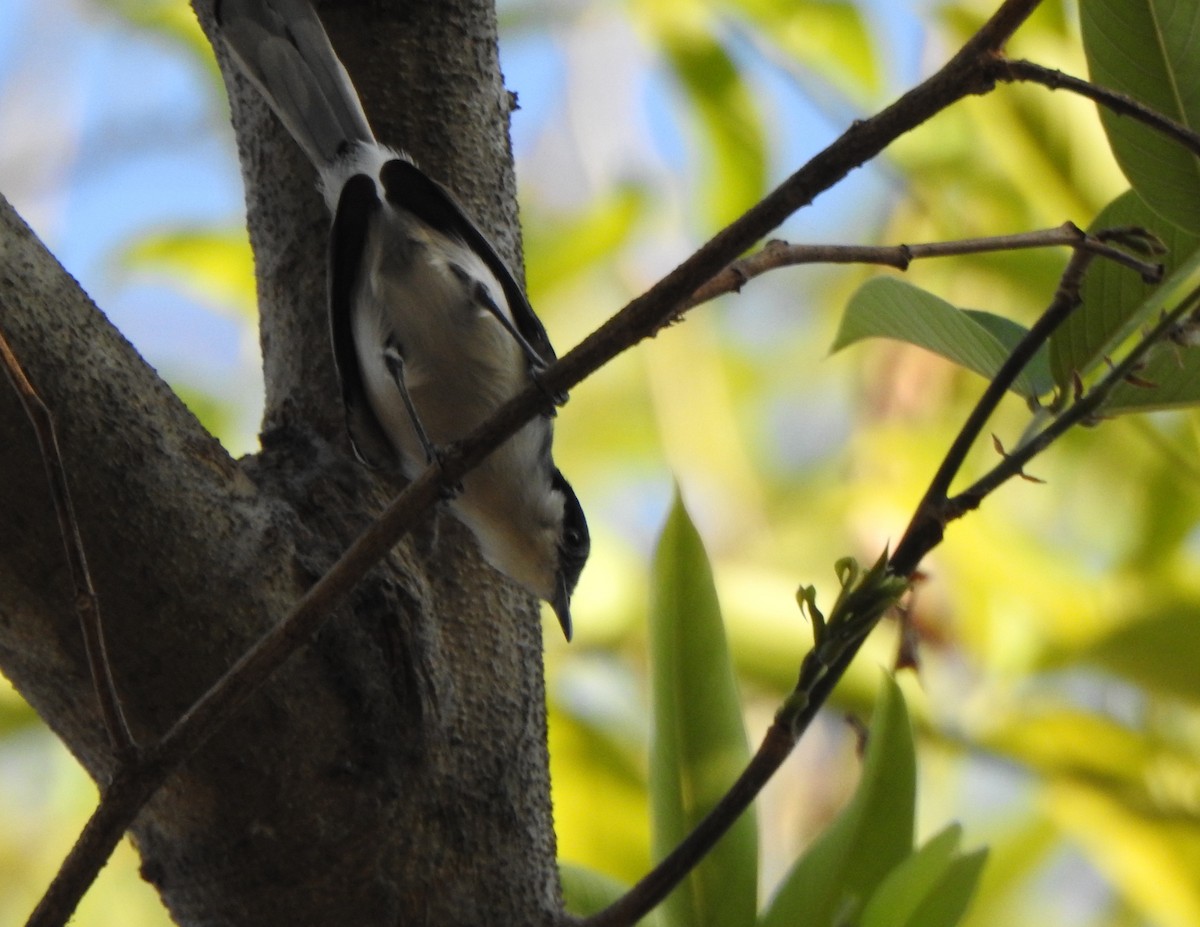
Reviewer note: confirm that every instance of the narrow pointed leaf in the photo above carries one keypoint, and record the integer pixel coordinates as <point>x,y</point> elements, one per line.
<point>843,868</point>
<point>906,887</point>
<point>929,889</point>
<point>699,743</point>
<point>1158,651</point>
<point>950,898</point>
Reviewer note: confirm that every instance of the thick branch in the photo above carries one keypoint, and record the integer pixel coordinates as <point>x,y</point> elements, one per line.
<point>416,718</point>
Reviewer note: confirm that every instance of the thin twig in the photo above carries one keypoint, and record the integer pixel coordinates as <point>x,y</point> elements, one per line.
<point>963,75</point>
<point>833,649</point>
<point>87,603</point>
<point>1122,104</point>
<point>1083,409</point>
<point>823,666</point>
<point>776,254</point>
<point>935,508</point>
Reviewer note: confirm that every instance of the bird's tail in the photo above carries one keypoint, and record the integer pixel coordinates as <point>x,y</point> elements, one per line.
<point>281,46</point>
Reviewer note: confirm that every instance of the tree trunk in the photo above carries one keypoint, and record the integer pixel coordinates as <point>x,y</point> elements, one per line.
<point>395,770</point>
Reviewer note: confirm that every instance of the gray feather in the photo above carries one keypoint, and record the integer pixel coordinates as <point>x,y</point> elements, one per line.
<point>282,48</point>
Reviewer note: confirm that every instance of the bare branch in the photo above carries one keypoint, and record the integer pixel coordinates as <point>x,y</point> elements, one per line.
<point>1083,409</point>
<point>1119,103</point>
<point>87,603</point>
<point>866,596</point>
<point>853,618</point>
<point>776,254</point>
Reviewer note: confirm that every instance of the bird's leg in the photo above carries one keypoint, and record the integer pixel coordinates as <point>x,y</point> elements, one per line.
<point>393,359</point>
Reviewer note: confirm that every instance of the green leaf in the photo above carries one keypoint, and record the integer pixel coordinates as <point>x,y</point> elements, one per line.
<point>699,744</point>
<point>723,107</point>
<point>830,37</point>
<point>1149,858</point>
<point>1160,651</point>
<point>885,307</point>
<point>1115,300</point>
<point>213,265</point>
<point>172,20</point>
<point>948,902</point>
<point>586,891</point>
<point>1147,49</point>
<point>1175,377</point>
<point>871,837</point>
<point>906,886</point>
<point>1009,334</point>
<point>559,249</point>
<point>929,889</point>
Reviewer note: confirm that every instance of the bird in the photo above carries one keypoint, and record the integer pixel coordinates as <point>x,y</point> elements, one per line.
<point>430,330</point>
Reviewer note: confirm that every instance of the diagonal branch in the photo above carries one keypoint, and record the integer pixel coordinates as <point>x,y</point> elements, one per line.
<point>936,508</point>
<point>965,74</point>
<point>1082,409</point>
<point>1122,104</point>
<point>87,603</point>
<point>866,602</point>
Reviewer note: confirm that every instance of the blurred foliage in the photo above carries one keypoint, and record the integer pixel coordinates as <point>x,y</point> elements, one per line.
<point>1057,712</point>
<point>212,265</point>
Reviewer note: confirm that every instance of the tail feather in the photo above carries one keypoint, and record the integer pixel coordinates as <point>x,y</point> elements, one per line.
<point>281,46</point>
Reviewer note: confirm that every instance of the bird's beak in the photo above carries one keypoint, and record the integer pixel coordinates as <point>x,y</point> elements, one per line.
<point>562,607</point>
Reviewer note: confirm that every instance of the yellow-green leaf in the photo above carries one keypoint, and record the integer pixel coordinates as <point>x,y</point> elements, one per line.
<point>885,307</point>
<point>1147,49</point>
<point>698,746</point>
<point>834,879</point>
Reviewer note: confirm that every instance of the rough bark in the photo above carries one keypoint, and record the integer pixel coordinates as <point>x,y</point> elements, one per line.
<point>395,770</point>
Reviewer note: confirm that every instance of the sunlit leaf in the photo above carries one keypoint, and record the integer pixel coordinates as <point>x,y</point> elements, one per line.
<point>218,417</point>
<point>832,881</point>
<point>214,266</point>
<point>170,19</point>
<point>1151,861</point>
<point>1014,857</point>
<point>585,763</point>
<point>1115,299</point>
<point>1147,49</point>
<point>723,107</point>
<point>948,902</point>
<point>1160,651</point>
<point>904,889</point>
<point>699,743</point>
<point>1066,741</point>
<point>827,36</point>
<point>888,308</point>
<point>557,250</point>
<point>15,713</point>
